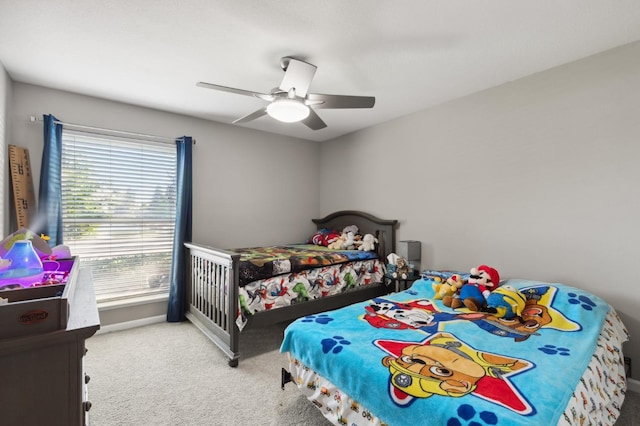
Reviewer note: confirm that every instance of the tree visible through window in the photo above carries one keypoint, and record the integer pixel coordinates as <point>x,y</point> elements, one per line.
<point>118,211</point>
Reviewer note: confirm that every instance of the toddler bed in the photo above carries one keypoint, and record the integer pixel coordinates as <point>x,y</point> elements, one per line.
<point>228,290</point>
<point>406,359</point>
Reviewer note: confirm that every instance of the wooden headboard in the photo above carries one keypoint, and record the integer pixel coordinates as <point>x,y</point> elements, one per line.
<point>384,230</point>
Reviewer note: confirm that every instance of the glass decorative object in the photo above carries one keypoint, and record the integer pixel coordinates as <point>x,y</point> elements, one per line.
<point>25,269</point>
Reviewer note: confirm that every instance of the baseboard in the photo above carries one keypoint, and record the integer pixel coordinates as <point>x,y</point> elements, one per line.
<point>633,385</point>
<point>131,324</point>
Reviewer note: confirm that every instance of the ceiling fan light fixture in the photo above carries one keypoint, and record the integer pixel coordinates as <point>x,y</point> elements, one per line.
<point>288,110</point>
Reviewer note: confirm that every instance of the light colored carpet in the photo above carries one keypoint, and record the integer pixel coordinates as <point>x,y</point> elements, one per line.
<point>170,374</point>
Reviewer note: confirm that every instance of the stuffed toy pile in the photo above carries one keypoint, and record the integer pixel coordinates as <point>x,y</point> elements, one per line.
<point>474,293</point>
<point>482,292</point>
<point>348,239</point>
<point>324,237</point>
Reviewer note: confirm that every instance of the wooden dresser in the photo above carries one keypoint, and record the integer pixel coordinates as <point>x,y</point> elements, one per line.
<point>42,377</point>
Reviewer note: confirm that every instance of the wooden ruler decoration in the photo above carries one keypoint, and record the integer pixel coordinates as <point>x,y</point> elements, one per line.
<point>24,199</point>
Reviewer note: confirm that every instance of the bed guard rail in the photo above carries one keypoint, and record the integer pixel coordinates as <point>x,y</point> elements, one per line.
<point>212,293</point>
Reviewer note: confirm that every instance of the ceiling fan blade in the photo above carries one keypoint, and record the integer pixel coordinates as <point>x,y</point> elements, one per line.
<point>233,90</point>
<point>256,114</point>
<point>341,101</point>
<point>313,121</point>
<point>298,75</point>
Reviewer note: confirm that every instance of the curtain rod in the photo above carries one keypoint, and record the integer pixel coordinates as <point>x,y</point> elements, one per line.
<point>120,132</point>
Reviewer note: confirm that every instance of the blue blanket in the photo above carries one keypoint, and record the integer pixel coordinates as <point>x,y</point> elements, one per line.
<point>411,360</point>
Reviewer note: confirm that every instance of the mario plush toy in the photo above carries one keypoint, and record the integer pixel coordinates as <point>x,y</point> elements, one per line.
<point>473,294</point>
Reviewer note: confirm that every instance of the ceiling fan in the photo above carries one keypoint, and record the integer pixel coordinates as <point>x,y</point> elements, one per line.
<point>290,102</point>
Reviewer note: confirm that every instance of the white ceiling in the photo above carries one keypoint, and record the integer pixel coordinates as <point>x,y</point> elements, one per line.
<point>409,54</point>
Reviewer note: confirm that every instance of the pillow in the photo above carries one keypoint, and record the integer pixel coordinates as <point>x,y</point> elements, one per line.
<point>430,274</point>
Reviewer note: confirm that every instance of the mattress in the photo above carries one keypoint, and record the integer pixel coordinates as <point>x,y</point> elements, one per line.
<point>300,287</point>
<point>258,263</point>
<point>405,358</point>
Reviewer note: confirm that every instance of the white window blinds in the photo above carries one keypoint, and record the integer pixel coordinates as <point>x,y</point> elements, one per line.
<point>118,211</point>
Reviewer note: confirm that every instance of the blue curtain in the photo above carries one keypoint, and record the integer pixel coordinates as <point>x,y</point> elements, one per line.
<point>182,233</point>
<point>49,216</point>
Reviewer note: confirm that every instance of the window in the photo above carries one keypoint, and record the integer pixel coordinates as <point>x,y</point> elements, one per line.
<point>118,211</point>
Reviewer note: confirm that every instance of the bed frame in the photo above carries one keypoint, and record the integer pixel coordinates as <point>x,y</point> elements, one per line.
<point>212,284</point>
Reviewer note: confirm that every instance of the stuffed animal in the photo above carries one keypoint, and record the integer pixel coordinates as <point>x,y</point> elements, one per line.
<point>350,228</point>
<point>324,237</point>
<point>350,241</point>
<point>481,282</point>
<point>506,302</point>
<point>402,269</point>
<point>368,243</point>
<point>436,285</point>
<point>338,244</point>
<point>474,293</point>
<point>449,287</point>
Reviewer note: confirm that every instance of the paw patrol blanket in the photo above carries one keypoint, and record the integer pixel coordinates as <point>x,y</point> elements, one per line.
<point>411,360</point>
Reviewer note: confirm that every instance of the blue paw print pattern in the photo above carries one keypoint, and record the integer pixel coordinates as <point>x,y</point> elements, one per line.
<point>468,415</point>
<point>320,319</point>
<point>586,303</point>
<point>334,344</point>
<point>555,350</point>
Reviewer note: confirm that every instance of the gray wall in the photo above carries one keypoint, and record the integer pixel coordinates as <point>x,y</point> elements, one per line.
<point>246,189</point>
<point>538,178</point>
<point>5,107</point>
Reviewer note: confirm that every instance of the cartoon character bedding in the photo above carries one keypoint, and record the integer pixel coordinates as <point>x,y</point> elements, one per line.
<point>406,359</point>
<point>276,276</point>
